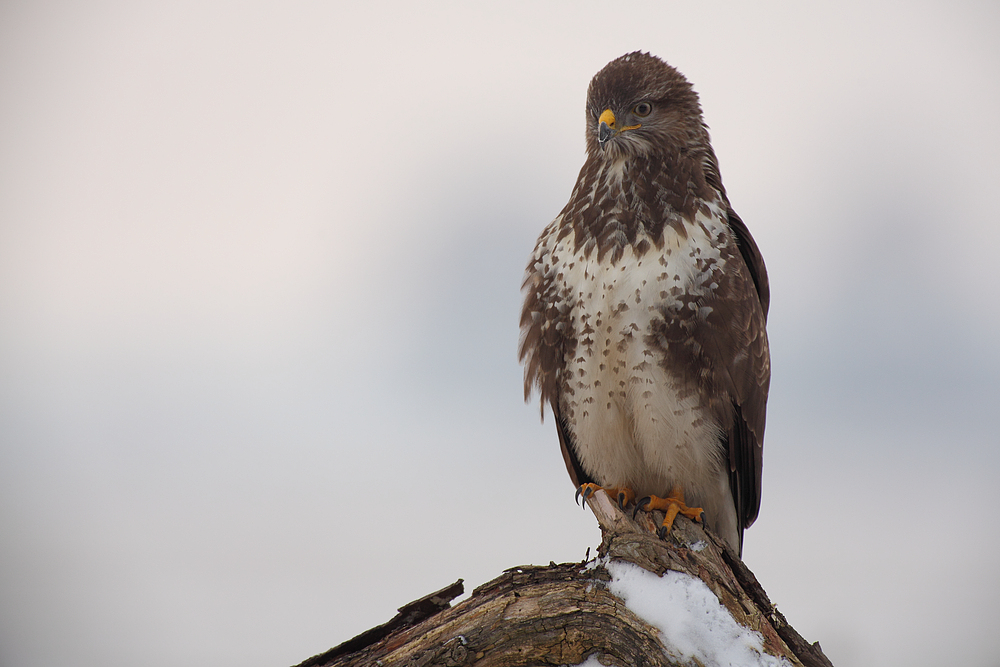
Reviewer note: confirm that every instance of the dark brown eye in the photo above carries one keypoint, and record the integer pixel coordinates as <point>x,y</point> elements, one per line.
<point>642,109</point>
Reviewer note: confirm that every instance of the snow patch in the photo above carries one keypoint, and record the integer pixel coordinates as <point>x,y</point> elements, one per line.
<point>692,621</point>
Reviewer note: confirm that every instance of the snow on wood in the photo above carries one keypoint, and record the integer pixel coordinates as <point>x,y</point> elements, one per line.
<point>683,600</point>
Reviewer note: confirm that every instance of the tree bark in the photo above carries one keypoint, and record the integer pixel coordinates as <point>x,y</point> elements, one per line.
<point>563,614</point>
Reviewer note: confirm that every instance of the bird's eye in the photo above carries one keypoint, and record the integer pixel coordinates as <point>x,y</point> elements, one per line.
<point>642,109</point>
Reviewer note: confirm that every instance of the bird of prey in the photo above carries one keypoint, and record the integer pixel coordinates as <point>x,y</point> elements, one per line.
<point>645,305</point>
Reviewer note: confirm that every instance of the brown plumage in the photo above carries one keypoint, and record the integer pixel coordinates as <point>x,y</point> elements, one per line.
<point>646,299</point>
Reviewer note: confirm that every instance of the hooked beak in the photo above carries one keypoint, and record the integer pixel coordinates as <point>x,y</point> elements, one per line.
<point>605,127</point>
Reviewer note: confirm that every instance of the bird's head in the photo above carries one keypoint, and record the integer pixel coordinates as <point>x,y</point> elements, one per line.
<point>639,105</point>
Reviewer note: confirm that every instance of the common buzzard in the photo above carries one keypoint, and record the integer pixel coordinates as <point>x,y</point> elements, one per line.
<point>645,306</point>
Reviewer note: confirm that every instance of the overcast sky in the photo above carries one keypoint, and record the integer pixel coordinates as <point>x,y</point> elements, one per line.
<point>259,292</point>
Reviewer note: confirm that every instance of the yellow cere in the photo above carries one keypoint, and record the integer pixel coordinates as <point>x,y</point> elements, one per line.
<point>608,116</point>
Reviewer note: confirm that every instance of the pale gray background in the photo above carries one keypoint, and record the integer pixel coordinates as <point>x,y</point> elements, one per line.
<point>259,290</point>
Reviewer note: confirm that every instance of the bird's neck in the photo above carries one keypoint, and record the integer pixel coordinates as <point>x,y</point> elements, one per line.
<point>660,185</point>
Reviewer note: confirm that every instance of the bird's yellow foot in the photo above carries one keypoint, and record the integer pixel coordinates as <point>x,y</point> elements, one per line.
<point>672,505</point>
<point>622,494</point>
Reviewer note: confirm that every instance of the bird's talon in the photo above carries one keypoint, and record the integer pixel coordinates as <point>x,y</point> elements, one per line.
<point>639,504</point>
<point>624,494</point>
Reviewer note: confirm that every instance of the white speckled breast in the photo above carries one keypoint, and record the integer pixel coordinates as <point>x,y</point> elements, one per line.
<point>626,414</point>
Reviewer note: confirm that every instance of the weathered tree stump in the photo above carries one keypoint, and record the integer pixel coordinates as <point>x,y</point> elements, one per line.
<point>565,614</point>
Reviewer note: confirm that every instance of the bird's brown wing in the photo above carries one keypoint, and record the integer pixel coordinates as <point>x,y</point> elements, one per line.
<point>751,377</point>
<point>542,351</point>
<point>568,447</point>
<point>752,258</point>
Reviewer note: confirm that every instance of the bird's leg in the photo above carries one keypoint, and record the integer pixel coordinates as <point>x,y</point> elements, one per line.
<point>672,505</point>
<point>622,494</point>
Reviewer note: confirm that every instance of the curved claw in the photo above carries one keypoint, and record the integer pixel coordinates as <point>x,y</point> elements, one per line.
<point>621,500</point>
<point>576,498</point>
<point>661,532</point>
<point>639,504</point>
